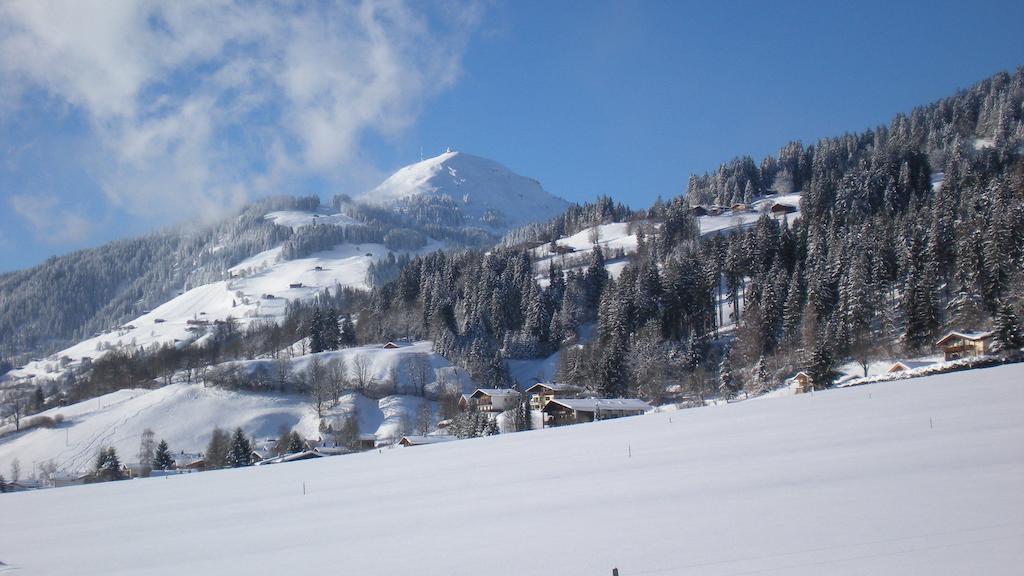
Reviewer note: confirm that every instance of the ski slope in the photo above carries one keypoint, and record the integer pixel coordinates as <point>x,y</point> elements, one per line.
<point>913,477</point>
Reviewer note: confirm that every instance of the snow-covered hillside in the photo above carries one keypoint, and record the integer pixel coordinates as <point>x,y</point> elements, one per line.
<point>477,185</point>
<point>913,477</point>
<point>185,414</point>
<point>259,288</point>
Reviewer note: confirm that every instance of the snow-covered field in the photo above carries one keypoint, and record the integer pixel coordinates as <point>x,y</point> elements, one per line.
<point>913,477</point>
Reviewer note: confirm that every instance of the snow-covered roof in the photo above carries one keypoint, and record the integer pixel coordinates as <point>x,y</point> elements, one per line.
<point>420,440</point>
<point>555,386</point>
<point>911,364</point>
<point>494,392</point>
<point>595,404</point>
<point>964,336</point>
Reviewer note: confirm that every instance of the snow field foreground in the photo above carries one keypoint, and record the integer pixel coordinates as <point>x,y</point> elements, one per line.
<point>911,477</point>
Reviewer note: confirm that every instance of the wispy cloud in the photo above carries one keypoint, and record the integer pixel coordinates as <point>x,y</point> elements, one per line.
<point>51,222</point>
<point>197,105</point>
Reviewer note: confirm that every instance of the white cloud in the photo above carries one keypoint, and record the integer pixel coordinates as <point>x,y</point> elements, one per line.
<point>196,105</point>
<point>51,222</point>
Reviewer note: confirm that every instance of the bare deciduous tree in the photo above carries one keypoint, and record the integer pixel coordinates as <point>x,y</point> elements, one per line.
<point>337,377</point>
<point>419,370</point>
<point>361,375</point>
<point>424,417</point>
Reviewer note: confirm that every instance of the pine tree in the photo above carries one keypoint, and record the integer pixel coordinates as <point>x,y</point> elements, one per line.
<point>162,459</point>
<point>295,443</point>
<point>726,381</point>
<point>108,465</point>
<point>331,332</point>
<point>1009,336</point>
<point>316,332</point>
<point>241,450</point>
<point>820,365</point>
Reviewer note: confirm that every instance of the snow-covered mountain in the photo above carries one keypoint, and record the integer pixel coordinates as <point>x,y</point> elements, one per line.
<point>484,191</point>
<point>249,265</point>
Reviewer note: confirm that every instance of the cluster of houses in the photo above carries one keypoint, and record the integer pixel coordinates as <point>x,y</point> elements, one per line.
<point>777,209</point>
<point>954,346</point>
<point>560,404</point>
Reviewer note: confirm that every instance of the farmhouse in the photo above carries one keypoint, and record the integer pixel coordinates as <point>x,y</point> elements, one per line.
<point>494,399</point>
<point>390,346</point>
<point>542,392</point>
<point>564,411</point>
<point>957,345</point>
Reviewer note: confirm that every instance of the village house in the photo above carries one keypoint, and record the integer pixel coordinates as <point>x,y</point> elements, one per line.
<point>542,392</point>
<point>956,345</point>
<point>424,440</point>
<point>698,211</point>
<point>390,346</point>
<point>740,207</point>
<point>565,411</point>
<point>494,399</point>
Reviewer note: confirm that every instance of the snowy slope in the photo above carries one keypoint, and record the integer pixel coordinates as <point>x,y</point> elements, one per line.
<point>185,414</point>
<point>844,482</point>
<point>241,297</point>
<point>477,185</point>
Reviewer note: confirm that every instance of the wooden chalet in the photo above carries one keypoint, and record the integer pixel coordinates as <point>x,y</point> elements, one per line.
<point>803,382</point>
<point>699,211</point>
<point>956,345</point>
<point>740,207</point>
<point>543,392</point>
<point>780,209</point>
<point>566,411</point>
<point>494,399</point>
<point>367,441</point>
<point>390,346</point>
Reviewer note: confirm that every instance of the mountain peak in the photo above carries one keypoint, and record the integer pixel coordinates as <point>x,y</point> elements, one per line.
<point>482,188</point>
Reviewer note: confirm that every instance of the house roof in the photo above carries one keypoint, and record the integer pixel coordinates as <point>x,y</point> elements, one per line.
<point>595,404</point>
<point>973,336</point>
<point>911,364</point>
<point>554,386</point>
<point>493,392</point>
<point>421,440</point>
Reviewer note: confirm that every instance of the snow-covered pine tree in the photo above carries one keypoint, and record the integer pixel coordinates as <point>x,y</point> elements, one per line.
<point>1009,337</point>
<point>241,450</point>
<point>316,332</point>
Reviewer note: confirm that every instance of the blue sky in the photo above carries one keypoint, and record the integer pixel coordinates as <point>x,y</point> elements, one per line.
<point>118,120</point>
